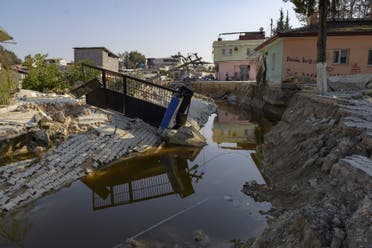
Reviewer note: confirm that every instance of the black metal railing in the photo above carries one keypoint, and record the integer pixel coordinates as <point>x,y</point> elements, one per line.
<point>135,191</point>
<point>132,96</point>
<point>128,85</point>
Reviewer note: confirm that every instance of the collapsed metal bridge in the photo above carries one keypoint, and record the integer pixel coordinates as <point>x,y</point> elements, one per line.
<point>134,97</point>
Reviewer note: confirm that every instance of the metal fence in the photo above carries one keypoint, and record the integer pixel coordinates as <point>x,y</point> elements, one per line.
<point>129,95</point>
<point>135,191</point>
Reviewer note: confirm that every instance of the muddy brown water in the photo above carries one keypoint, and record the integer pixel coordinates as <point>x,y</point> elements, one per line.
<point>164,198</point>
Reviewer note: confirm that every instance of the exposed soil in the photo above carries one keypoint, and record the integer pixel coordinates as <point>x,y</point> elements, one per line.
<point>318,160</point>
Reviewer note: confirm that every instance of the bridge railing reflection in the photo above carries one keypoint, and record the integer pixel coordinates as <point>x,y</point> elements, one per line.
<point>143,179</point>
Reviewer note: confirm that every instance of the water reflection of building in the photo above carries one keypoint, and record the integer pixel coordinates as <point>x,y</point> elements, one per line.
<point>230,127</point>
<point>143,178</point>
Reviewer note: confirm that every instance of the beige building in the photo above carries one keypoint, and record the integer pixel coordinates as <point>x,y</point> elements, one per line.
<point>99,56</point>
<point>235,59</point>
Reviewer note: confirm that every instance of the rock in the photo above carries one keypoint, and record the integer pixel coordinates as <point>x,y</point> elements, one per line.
<point>38,149</point>
<point>38,116</point>
<point>41,138</point>
<point>313,182</point>
<point>294,189</point>
<point>228,198</point>
<point>200,110</point>
<point>230,98</point>
<point>350,82</point>
<point>59,116</point>
<point>185,135</point>
<point>201,237</point>
<point>45,119</point>
<point>338,237</point>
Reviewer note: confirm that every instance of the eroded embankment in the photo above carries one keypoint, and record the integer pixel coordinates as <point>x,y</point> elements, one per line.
<point>318,159</point>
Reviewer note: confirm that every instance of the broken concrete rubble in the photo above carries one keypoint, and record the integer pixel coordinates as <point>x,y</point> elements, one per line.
<point>201,109</point>
<point>187,135</point>
<point>350,82</point>
<point>85,139</point>
<point>69,161</point>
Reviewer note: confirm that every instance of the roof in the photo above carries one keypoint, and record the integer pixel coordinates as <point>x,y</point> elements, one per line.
<point>245,35</point>
<point>342,27</point>
<point>102,48</point>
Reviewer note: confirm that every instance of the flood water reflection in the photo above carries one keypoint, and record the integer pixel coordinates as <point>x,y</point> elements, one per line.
<point>144,178</point>
<point>162,198</point>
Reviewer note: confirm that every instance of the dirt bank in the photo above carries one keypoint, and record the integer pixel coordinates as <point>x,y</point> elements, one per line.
<point>318,159</point>
<point>248,95</point>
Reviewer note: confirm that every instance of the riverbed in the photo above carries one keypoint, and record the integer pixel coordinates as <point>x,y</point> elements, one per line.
<point>165,197</point>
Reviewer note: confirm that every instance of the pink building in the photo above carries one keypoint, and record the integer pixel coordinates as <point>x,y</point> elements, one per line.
<point>236,59</point>
<point>292,55</point>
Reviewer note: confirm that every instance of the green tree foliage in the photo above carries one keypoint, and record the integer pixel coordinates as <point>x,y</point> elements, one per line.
<point>286,24</point>
<point>8,58</point>
<point>132,59</point>
<point>42,76</point>
<point>7,86</point>
<point>49,77</point>
<point>337,8</point>
<point>73,74</point>
<point>4,36</point>
<point>350,8</point>
<point>282,24</point>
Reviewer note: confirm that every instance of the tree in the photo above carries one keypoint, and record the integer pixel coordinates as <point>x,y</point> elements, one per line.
<point>321,47</point>
<point>4,36</point>
<point>7,86</point>
<point>8,58</point>
<point>74,74</point>
<point>132,59</point>
<point>303,8</point>
<point>41,76</point>
<point>307,7</point>
<point>337,8</point>
<point>350,8</point>
<point>286,24</point>
<point>282,24</point>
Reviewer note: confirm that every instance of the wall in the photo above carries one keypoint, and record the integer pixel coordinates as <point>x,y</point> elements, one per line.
<point>217,89</point>
<point>231,67</point>
<point>239,54</point>
<point>274,60</point>
<point>110,63</point>
<point>93,55</point>
<point>299,59</point>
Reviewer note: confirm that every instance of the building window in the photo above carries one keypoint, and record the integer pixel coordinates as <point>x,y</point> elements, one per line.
<point>226,52</point>
<point>341,56</point>
<point>370,57</point>
<point>248,51</point>
<point>235,48</point>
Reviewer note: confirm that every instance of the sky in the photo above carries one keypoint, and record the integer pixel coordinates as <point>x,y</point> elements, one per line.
<point>156,28</point>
